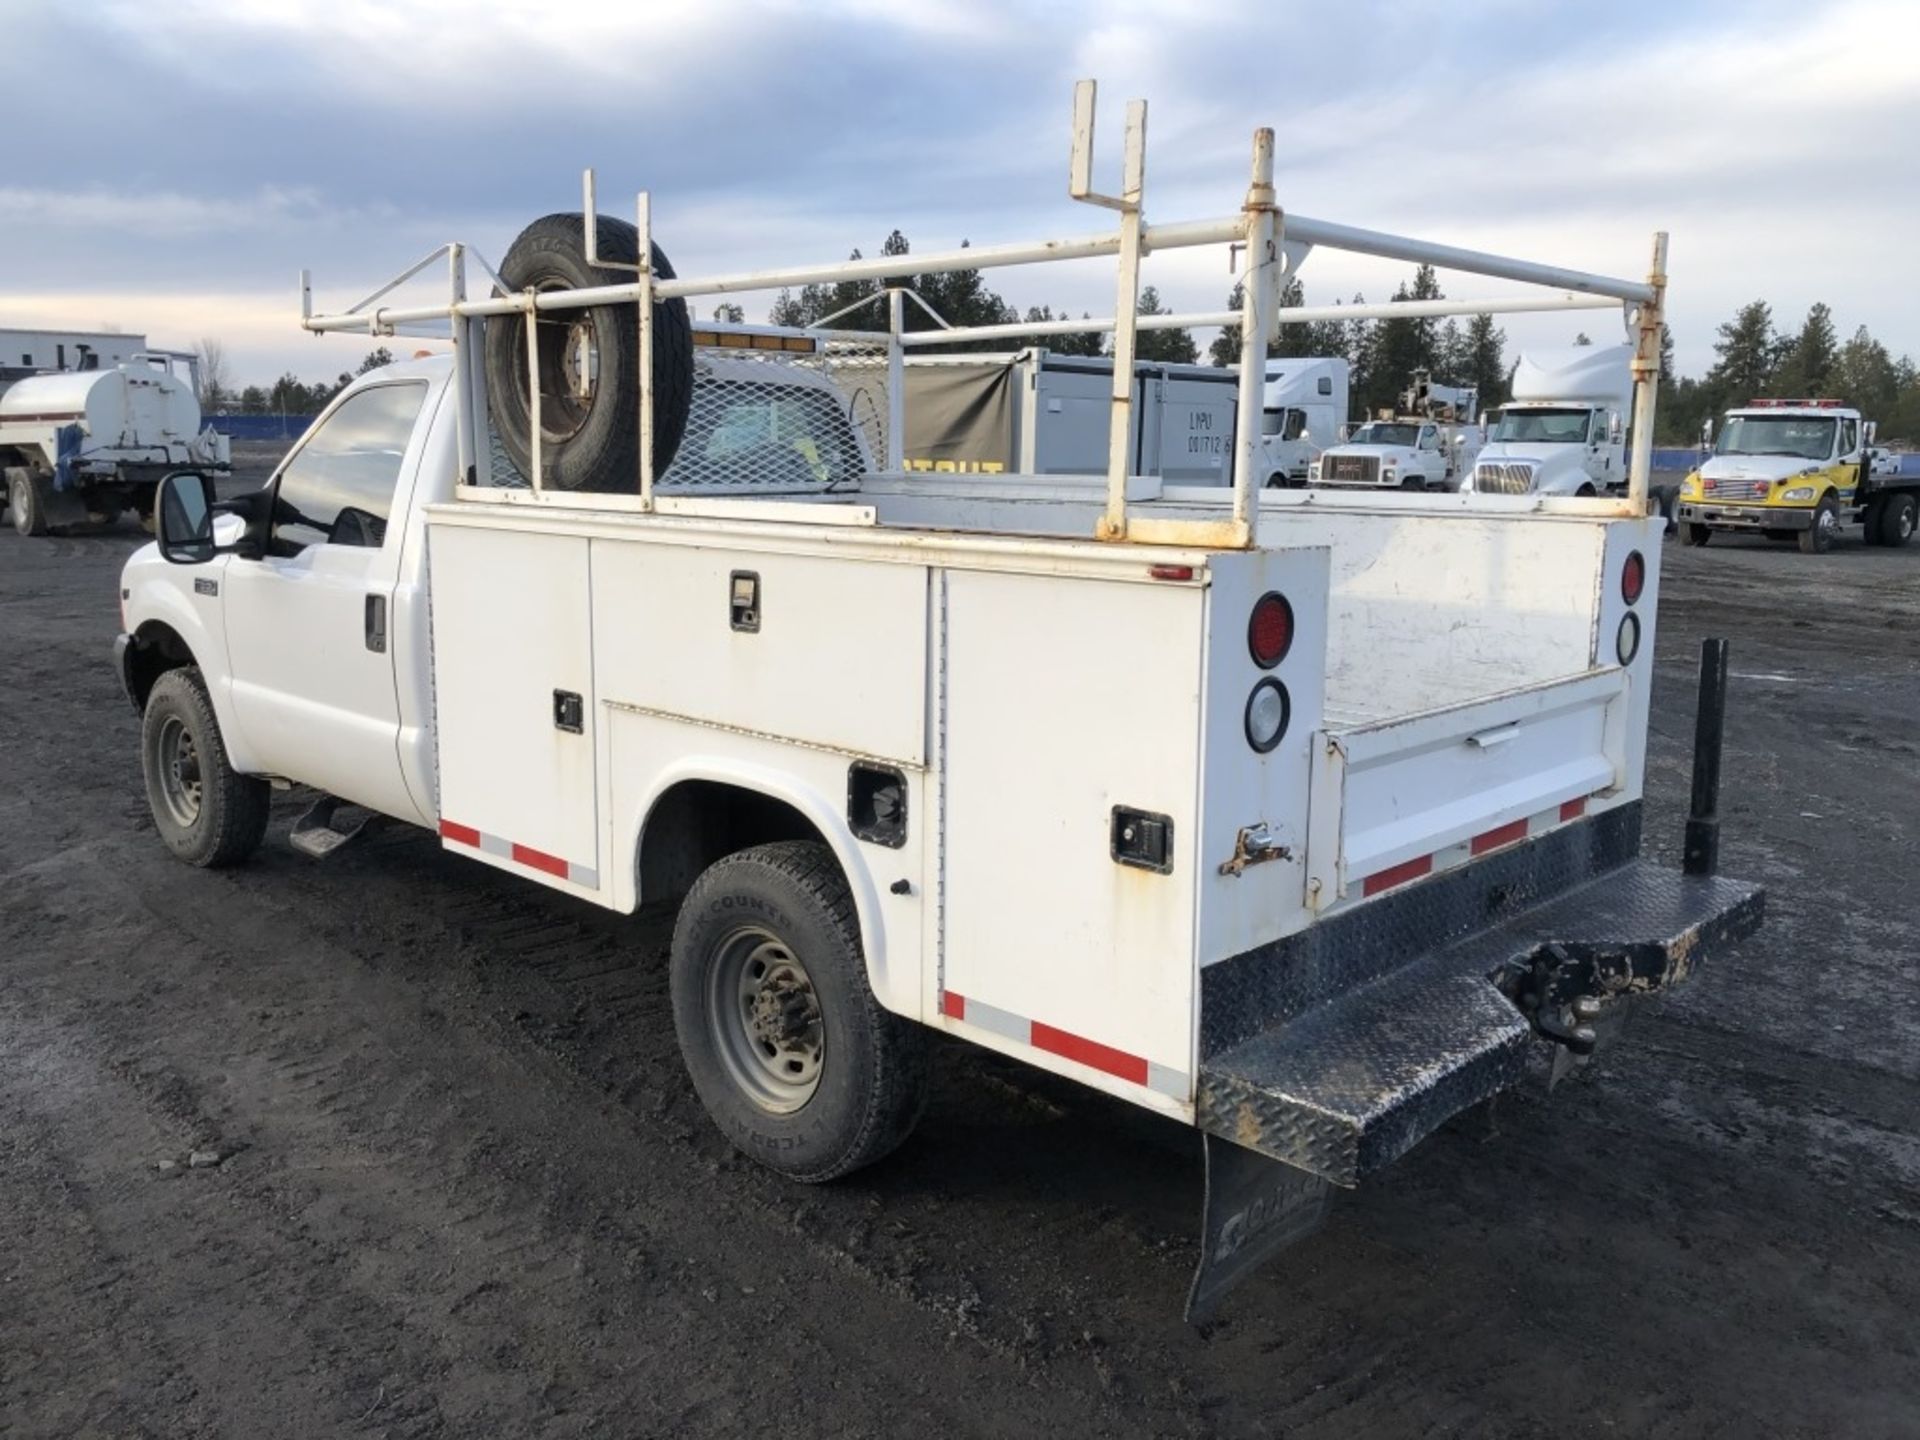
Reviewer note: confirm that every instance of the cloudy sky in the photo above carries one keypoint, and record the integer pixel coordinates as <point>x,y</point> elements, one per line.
<point>170,167</point>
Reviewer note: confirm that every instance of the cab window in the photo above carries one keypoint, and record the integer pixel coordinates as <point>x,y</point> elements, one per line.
<point>1849,436</point>
<point>337,489</point>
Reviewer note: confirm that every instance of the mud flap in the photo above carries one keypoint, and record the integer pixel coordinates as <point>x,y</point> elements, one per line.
<point>1255,1207</point>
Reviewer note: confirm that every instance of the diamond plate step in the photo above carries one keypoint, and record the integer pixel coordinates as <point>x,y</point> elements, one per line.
<point>1347,1085</point>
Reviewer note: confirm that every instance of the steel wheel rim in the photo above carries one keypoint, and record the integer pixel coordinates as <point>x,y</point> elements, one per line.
<point>764,1019</point>
<point>21,503</point>
<point>177,760</point>
<point>569,368</point>
<point>1903,525</point>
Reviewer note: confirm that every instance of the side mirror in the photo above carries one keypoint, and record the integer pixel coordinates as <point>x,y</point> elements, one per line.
<point>183,518</point>
<point>1869,432</point>
<point>1614,428</point>
<point>1706,433</point>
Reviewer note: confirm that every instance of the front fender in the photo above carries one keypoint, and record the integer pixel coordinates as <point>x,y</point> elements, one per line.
<point>897,987</point>
<point>187,600</point>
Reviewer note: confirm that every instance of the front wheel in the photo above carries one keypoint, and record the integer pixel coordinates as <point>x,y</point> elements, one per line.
<point>787,1047</point>
<point>206,811</point>
<point>1817,538</point>
<point>1696,534</point>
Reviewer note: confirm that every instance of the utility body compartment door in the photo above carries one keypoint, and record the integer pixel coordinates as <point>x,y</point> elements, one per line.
<point>514,701</point>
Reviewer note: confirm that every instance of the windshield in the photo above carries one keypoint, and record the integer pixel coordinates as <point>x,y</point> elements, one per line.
<point>1544,427</point>
<point>1804,437</point>
<point>1378,434</point>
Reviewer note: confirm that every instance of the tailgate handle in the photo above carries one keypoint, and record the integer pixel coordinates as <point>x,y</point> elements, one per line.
<point>1499,735</point>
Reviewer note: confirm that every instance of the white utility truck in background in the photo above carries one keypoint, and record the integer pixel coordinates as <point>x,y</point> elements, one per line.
<point>80,446</point>
<point>1305,409</point>
<point>1300,818</point>
<point>1040,413</point>
<point>1426,443</point>
<point>1562,433</point>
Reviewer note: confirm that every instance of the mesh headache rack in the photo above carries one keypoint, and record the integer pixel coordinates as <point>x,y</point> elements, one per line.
<point>809,410</point>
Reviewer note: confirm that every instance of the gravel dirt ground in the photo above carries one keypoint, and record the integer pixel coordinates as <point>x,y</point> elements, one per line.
<point>462,1187</point>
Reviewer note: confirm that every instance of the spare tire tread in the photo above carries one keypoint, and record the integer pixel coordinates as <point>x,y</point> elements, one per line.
<point>604,453</point>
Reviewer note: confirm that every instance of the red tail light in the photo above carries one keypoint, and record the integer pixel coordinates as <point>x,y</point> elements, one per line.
<point>1633,577</point>
<point>1270,630</point>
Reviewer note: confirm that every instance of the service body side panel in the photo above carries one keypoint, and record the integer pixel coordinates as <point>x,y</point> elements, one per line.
<point>1062,700</point>
<point>836,656</point>
<point>1244,789</point>
<point>513,625</point>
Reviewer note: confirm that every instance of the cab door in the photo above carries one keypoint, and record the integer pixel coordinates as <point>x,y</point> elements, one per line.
<point>310,626</point>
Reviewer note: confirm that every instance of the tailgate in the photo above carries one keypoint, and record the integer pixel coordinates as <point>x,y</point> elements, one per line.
<point>1393,800</point>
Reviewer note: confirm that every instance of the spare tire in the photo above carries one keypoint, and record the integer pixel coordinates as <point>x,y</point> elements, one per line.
<point>589,362</point>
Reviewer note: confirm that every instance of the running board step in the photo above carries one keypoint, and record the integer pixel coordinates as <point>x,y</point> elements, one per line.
<point>314,834</point>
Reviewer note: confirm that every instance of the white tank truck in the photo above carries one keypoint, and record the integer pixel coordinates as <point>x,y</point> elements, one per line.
<point>81,446</point>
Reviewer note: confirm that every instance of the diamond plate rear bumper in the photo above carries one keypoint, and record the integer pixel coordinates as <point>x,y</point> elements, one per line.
<point>1338,1050</point>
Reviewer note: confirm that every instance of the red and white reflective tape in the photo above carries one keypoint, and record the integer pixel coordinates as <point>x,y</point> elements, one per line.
<point>1041,1036</point>
<point>581,875</point>
<point>1485,843</point>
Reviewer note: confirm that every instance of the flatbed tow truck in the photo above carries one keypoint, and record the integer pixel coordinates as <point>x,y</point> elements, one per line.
<point>1797,470</point>
<point>1303,819</point>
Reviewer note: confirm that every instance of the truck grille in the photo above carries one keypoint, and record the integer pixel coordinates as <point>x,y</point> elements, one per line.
<point>1496,478</point>
<point>1724,489</point>
<point>1351,469</point>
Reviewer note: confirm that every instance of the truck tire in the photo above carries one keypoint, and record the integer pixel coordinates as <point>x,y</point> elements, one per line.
<point>792,1056</point>
<point>591,441</point>
<point>208,813</point>
<point>1898,516</point>
<point>23,501</point>
<point>1870,520</point>
<point>1696,534</point>
<point>1817,538</point>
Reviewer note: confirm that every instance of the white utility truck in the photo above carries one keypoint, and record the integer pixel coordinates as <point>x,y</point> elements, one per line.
<point>1562,433</point>
<point>1035,412</point>
<point>1305,410</point>
<point>1299,818</point>
<point>1425,443</point>
<point>81,446</point>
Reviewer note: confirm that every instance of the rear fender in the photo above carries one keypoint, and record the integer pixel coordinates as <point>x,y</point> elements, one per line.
<point>897,987</point>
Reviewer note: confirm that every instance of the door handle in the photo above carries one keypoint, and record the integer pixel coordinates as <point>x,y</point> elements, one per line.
<point>377,624</point>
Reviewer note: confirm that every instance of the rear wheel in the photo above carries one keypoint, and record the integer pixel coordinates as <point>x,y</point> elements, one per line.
<point>1817,538</point>
<point>207,812</point>
<point>793,1057</point>
<point>1696,534</point>
<point>23,500</point>
<point>1899,515</point>
<point>1870,521</point>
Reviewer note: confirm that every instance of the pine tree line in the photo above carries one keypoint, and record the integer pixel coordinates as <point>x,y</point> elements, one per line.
<point>1754,360</point>
<point>1384,354</point>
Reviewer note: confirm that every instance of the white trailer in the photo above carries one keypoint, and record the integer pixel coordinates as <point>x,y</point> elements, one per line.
<point>1305,410</point>
<point>1035,412</point>
<point>1298,818</point>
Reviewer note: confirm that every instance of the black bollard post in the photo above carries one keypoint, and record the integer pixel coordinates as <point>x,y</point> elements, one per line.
<point>1702,850</point>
